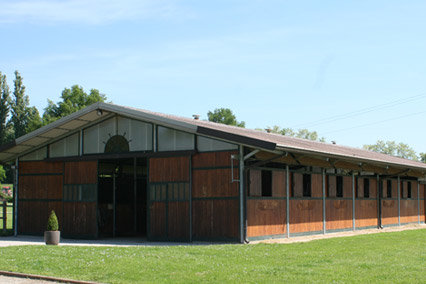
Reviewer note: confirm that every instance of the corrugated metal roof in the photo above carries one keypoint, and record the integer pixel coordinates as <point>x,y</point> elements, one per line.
<point>245,136</point>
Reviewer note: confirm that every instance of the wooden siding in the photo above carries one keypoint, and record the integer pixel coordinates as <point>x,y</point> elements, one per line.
<point>347,187</point>
<point>214,214</point>
<point>255,183</point>
<point>81,172</point>
<point>409,212</point>
<point>278,183</point>
<point>422,191</point>
<point>214,159</point>
<point>40,167</point>
<point>178,221</point>
<point>40,187</point>
<point>316,185</point>
<point>157,220</point>
<point>169,169</point>
<point>266,217</point>
<point>305,216</point>
<point>389,212</point>
<point>33,216</point>
<point>215,219</point>
<point>169,219</point>
<point>214,183</point>
<point>40,191</point>
<point>338,214</point>
<point>80,219</point>
<point>365,213</point>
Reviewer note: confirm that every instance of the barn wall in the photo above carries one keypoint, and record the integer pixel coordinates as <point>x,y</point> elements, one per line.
<point>40,191</point>
<point>168,208</point>
<point>306,212</point>
<point>80,206</point>
<point>215,199</point>
<point>390,204</point>
<point>339,211</point>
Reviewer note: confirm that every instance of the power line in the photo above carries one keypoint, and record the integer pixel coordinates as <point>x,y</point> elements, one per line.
<point>373,123</point>
<point>363,111</point>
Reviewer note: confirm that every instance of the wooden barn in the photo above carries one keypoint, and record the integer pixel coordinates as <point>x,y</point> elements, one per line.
<point>111,171</point>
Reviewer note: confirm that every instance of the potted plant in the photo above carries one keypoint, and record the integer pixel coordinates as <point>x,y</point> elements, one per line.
<point>52,235</point>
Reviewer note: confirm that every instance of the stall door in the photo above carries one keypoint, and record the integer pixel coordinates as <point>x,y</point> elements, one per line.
<point>168,198</point>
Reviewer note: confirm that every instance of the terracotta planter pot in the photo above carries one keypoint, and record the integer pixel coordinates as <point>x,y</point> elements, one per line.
<point>52,237</point>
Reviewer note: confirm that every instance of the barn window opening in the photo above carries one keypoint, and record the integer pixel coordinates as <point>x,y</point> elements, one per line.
<point>409,189</point>
<point>389,189</point>
<point>307,185</point>
<point>366,188</point>
<point>266,183</point>
<point>339,186</point>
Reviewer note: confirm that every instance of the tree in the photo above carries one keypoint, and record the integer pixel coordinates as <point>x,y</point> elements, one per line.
<point>2,174</point>
<point>225,116</point>
<point>4,108</point>
<point>394,149</point>
<point>422,157</point>
<point>301,133</point>
<point>71,101</point>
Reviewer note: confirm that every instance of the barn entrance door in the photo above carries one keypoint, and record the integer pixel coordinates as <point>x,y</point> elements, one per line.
<point>122,197</point>
<point>168,199</point>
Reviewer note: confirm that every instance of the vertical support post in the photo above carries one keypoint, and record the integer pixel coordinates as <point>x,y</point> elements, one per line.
<point>135,203</point>
<point>4,219</point>
<point>324,217</point>
<point>190,198</point>
<point>418,200</point>
<point>353,201</point>
<point>154,138</point>
<point>15,194</point>
<point>81,143</point>
<point>287,198</point>
<point>379,203</point>
<point>399,201</point>
<point>113,204</point>
<point>241,174</point>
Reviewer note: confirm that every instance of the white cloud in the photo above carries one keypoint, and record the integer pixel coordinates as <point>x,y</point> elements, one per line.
<point>84,11</point>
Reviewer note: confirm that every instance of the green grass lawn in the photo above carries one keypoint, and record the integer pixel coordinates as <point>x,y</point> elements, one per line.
<point>388,257</point>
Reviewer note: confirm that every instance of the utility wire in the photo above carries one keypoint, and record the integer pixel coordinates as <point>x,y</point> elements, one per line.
<point>373,123</point>
<point>363,111</point>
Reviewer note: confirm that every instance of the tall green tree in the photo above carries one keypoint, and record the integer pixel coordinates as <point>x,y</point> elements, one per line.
<point>4,108</point>
<point>394,149</point>
<point>225,116</point>
<point>19,107</point>
<point>72,100</point>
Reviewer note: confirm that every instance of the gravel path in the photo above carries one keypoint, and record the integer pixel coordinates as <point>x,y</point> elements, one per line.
<point>18,280</point>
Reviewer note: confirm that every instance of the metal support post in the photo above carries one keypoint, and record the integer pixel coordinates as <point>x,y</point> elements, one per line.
<point>324,217</point>
<point>241,174</point>
<point>287,199</point>
<point>353,202</point>
<point>399,201</point>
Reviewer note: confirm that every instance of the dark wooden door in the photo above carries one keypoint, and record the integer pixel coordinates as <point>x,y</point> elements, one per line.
<point>168,198</point>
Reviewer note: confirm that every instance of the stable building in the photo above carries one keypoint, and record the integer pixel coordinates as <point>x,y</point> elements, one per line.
<point>111,171</point>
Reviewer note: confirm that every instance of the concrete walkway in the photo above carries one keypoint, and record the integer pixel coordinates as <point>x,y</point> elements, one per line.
<point>129,242</point>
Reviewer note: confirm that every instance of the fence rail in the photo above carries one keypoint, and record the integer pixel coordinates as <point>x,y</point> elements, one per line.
<point>6,216</point>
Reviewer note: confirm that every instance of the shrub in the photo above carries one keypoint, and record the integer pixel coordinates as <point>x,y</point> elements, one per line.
<point>52,222</point>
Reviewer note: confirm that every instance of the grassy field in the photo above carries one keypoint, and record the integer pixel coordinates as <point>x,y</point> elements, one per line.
<point>389,257</point>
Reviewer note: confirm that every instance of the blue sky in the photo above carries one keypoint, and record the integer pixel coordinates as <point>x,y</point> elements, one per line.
<point>287,63</point>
